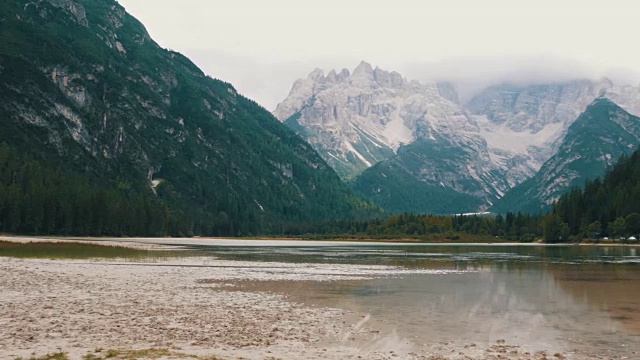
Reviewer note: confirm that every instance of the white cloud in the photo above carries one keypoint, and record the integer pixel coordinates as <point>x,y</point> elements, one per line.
<point>263,46</point>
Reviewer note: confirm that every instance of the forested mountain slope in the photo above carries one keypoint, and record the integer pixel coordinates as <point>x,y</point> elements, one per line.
<point>594,142</point>
<point>84,91</point>
<point>604,207</point>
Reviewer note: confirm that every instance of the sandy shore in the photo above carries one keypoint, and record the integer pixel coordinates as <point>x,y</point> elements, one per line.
<point>186,307</point>
<point>176,243</point>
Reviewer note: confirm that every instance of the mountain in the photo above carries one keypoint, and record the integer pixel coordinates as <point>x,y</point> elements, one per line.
<point>477,151</point>
<point>358,119</point>
<point>83,88</point>
<point>414,180</point>
<point>593,143</point>
<point>604,207</point>
<point>523,124</point>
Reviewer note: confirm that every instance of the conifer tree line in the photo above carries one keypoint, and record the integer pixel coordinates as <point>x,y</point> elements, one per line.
<point>36,199</point>
<point>44,200</point>
<point>608,207</point>
<point>512,227</point>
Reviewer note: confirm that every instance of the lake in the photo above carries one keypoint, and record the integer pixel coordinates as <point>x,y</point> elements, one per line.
<point>558,298</point>
<point>570,299</point>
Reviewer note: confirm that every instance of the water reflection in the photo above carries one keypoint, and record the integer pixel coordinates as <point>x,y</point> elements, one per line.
<point>540,297</point>
<point>421,255</point>
<point>555,298</point>
<point>613,289</point>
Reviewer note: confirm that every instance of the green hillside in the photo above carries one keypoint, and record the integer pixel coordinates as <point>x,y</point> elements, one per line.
<point>604,207</point>
<point>86,94</point>
<point>398,186</point>
<point>594,142</point>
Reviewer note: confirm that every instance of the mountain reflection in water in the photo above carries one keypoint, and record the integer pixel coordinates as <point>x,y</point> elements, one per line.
<point>557,298</point>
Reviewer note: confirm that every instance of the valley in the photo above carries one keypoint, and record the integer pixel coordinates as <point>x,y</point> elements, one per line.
<point>152,207</point>
<point>434,147</point>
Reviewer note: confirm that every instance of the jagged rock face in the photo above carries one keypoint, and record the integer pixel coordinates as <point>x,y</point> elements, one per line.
<point>358,119</point>
<point>83,85</point>
<point>71,7</point>
<point>498,140</point>
<point>524,125</point>
<point>593,143</point>
<point>535,106</point>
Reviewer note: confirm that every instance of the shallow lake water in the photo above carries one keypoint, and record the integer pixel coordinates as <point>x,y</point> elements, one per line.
<point>556,298</point>
<point>572,299</point>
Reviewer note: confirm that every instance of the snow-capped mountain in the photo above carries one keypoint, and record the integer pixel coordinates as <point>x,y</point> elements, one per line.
<point>593,144</point>
<point>525,125</point>
<point>497,140</point>
<point>522,125</point>
<point>358,119</point>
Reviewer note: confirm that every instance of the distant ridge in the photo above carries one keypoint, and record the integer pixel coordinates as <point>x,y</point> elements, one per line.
<point>594,142</point>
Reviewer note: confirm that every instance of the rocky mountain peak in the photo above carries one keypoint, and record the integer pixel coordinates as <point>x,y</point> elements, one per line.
<point>366,116</point>
<point>497,140</point>
<point>390,79</point>
<point>343,74</point>
<point>331,76</point>
<point>316,75</point>
<point>364,69</point>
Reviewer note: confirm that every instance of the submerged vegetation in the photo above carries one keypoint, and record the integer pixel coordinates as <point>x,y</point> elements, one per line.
<point>52,356</point>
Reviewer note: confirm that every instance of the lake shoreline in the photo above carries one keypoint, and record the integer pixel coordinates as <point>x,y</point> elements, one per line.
<point>145,243</point>
<point>197,307</point>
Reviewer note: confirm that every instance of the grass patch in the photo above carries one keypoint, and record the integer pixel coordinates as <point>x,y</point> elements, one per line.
<point>76,251</point>
<point>143,354</point>
<point>54,356</point>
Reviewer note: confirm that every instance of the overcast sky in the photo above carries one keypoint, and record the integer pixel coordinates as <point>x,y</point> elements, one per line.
<point>262,47</point>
